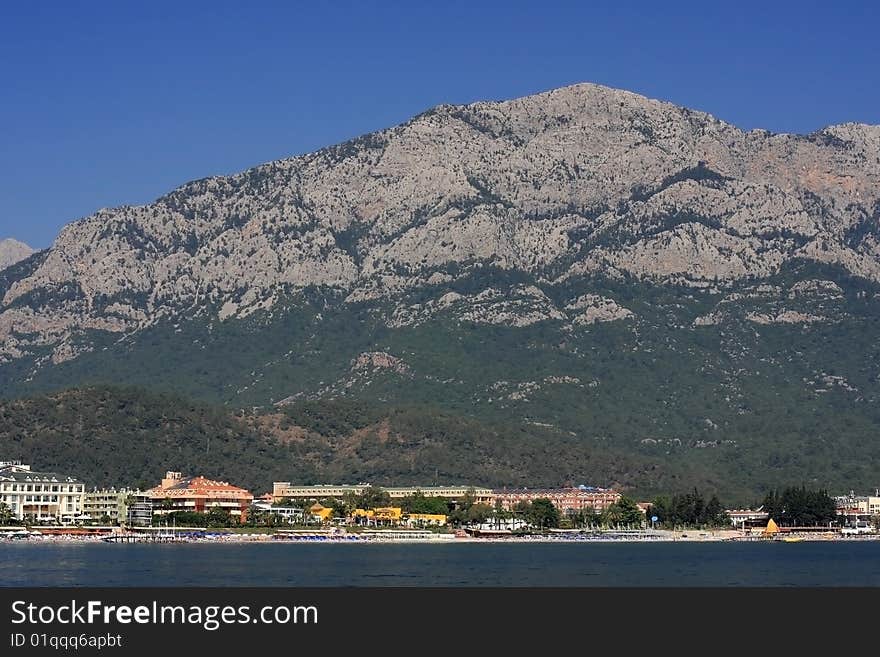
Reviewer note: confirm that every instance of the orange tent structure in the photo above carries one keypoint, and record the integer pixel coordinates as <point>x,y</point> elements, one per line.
<point>771,529</point>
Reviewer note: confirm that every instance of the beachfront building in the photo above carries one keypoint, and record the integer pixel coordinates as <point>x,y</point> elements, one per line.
<point>40,496</point>
<point>452,494</point>
<point>856,513</point>
<point>389,516</point>
<point>289,514</point>
<point>858,505</point>
<point>199,495</point>
<point>567,500</point>
<point>139,513</point>
<point>284,490</point>
<point>497,524</point>
<point>320,513</point>
<point>743,518</point>
<point>118,506</point>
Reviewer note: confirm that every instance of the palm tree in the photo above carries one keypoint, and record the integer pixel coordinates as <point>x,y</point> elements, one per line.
<point>129,501</point>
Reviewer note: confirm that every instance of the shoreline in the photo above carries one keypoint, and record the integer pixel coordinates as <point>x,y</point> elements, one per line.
<point>658,536</point>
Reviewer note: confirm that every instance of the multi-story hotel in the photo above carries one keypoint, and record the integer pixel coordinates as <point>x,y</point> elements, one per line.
<point>40,495</point>
<point>119,506</point>
<point>284,490</point>
<point>858,505</point>
<point>567,500</point>
<point>198,494</point>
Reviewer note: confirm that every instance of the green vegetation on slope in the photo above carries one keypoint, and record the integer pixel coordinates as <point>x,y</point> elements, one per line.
<point>659,402</point>
<point>109,436</point>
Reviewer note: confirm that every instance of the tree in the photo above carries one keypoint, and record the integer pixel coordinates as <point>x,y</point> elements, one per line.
<point>257,516</point>
<point>468,500</point>
<point>716,516</point>
<point>478,513</point>
<point>350,501</point>
<point>419,503</point>
<point>522,508</point>
<point>469,513</point>
<point>624,512</point>
<point>457,517</point>
<point>373,497</point>
<point>591,517</point>
<point>6,517</point>
<point>129,501</point>
<point>218,517</point>
<point>543,513</point>
<point>661,507</point>
<point>340,509</point>
<point>181,518</point>
<point>772,505</point>
<point>800,507</point>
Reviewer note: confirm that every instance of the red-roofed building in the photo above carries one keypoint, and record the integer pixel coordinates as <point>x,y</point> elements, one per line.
<point>567,500</point>
<point>199,495</point>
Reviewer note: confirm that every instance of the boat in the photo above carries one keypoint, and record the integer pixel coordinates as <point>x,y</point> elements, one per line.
<point>792,539</point>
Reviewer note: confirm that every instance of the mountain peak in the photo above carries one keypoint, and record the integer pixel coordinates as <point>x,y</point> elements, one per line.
<point>575,182</point>
<point>12,251</point>
<point>631,284</point>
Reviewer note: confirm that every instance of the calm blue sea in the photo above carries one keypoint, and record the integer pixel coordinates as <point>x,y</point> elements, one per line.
<point>466,564</point>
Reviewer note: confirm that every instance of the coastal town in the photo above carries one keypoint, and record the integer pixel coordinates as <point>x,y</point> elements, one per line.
<point>41,505</point>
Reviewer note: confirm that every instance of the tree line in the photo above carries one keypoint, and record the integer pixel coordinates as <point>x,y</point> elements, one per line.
<point>688,510</point>
<point>800,507</point>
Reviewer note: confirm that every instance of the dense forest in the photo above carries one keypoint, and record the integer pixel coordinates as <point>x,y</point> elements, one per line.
<point>129,436</point>
<point>659,403</point>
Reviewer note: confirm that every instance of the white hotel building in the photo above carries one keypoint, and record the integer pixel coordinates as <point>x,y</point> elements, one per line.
<point>40,495</point>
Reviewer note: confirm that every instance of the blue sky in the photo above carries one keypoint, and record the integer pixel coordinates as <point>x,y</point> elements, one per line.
<point>111,103</point>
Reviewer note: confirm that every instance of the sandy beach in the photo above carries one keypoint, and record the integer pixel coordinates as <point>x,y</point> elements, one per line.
<point>403,537</point>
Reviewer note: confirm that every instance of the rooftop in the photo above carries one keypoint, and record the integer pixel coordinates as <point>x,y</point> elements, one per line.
<point>22,473</point>
<point>553,491</point>
<point>197,486</point>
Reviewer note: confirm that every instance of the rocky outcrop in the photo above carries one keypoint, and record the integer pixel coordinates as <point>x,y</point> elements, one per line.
<point>13,251</point>
<point>556,186</point>
<point>379,360</point>
<point>595,308</point>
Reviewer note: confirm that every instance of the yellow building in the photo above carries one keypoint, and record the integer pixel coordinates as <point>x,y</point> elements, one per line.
<point>322,512</point>
<point>388,515</point>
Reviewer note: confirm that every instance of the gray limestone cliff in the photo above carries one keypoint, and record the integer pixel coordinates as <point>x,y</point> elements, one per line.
<point>558,185</point>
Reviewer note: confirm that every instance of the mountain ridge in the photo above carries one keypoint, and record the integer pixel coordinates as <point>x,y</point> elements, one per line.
<point>587,261</point>
<point>361,246</point>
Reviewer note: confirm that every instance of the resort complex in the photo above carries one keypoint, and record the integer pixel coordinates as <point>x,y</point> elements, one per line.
<point>40,495</point>
<point>49,499</point>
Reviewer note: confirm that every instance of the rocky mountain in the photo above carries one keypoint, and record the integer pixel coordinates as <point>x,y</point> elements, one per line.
<point>585,260</point>
<point>559,185</point>
<point>12,251</point>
